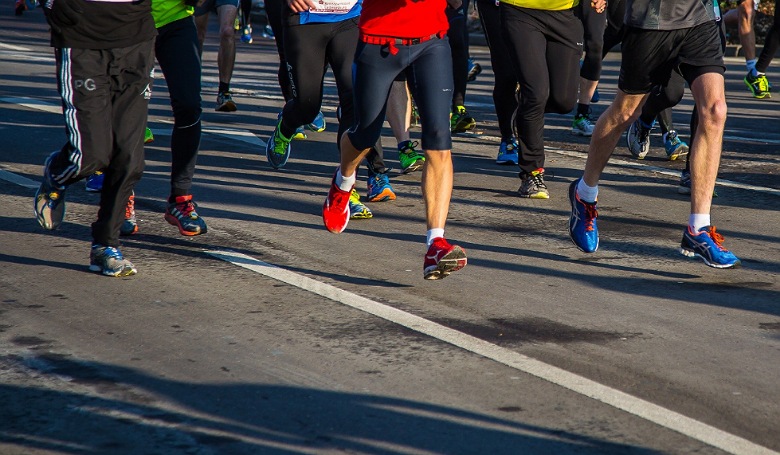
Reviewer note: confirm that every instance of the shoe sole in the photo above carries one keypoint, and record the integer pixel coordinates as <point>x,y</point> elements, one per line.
<point>692,254</point>
<point>450,262</point>
<point>417,165</point>
<point>681,151</point>
<point>230,106</point>
<point>175,222</point>
<point>463,129</point>
<point>580,133</point>
<point>385,195</point>
<point>126,271</point>
<point>536,196</point>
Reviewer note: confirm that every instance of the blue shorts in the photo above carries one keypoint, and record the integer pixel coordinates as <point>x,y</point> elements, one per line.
<point>212,5</point>
<point>428,69</point>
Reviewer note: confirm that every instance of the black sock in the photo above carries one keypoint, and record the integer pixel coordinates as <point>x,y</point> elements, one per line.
<point>583,109</point>
<point>224,87</point>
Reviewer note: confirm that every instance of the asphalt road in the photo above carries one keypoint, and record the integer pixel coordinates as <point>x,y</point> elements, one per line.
<point>271,335</point>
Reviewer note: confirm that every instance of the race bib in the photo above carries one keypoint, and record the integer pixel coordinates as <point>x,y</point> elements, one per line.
<point>333,6</point>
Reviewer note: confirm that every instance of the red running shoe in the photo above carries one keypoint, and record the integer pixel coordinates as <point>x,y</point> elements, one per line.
<point>335,211</point>
<point>443,259</point>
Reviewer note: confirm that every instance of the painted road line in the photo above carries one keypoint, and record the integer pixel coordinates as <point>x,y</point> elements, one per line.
<point>579,384</point>
<point>13,47</point>
<point>673,173</point>
<point>18,180</point>
<point>33,103</point>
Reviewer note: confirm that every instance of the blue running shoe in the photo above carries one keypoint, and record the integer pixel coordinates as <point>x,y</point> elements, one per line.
<point>246,35</point>
<point>49,200</point>
<point>707,244</point>
<point>109,261</point>
<point>94,182</point>
<point>318,124</point>
<point>358,210</point>
<point>507,151</point>
<point>379,188</point>
<point>299,134</point>
<point>596,97</point>
<point>582,223</point>
<point>277,149</point>
<point>675,147</point>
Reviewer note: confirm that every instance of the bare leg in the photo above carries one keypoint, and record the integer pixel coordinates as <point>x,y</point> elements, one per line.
<point>610,126</point>
<point>709,95</point>
<point>399,110</point>
<point>587,89</point>
<point>437,179</point>
<point>747,35</point>
<point>226,58</point>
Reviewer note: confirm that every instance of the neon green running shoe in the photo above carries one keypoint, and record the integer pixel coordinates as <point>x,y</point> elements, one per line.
<point>277,149</point>
<point>358,210</point>
<point>410,159</point>
<point>148,136</point>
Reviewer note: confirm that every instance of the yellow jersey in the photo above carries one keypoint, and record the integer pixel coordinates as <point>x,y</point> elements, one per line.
<point>549,5</point>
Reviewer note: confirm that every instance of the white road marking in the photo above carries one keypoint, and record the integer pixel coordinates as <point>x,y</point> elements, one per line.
<point>581,385</point>
<point>14,48</point>
<point>18,180</point>
<point>33,103</point>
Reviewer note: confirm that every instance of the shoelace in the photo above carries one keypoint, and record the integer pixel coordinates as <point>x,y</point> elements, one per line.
<point>590,215</point>
<point>716,237</point>
<point>410,149</point>
<point>763,83</point>
<point>186,208</point>
<point>130,209</point>
<point>538,180</point>
<point>112,252</point>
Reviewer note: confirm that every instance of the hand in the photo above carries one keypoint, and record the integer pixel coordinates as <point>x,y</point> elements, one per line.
<point>299,6</point>
<point>599,5</point>
<point>61,13</point>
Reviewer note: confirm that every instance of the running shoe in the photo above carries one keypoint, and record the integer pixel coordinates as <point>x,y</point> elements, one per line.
<point>148,136</point>
<point>474,70</point>
<point>268,32</point>
<point>246,35</point>
<point>182,214</point>
<point>318,124</point>
<point>684,186</point>
<point>335,211</point>
<point>94,183</point>
<point>675,147</point>
<point>638,139</point>
<point>582,223</point>
<point>358,210</point>
<point>507,151</point>
<point>758,85</point>
<point>109,261</point>
<point>461,121</point>
<point>582,125</point>
<point>442,258</point>
<point>277,148</point>
<point>532,185</point>
<point>225,102</point>
<point>596,96</point>
<point>685,182</point>
<point>129,225</point>
<point>379,188</point>
<point>707,244</point>
<point>410,159</point>
<point>415,116</point>
<point>299,134</point>
<point>49,200</point>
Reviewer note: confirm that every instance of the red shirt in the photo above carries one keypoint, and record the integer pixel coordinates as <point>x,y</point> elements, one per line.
<point>403,18</point>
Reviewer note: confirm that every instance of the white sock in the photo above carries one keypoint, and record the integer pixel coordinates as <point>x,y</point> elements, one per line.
<point>345,183</point>
<point>587,193</point>
<point>697,221</point>
<point>751,66</point>
<point>434,233</point>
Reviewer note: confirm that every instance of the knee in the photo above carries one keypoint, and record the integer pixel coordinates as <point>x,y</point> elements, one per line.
<point>227,33</point>
<point>186,116</point>
<point>559,103</point>
<point>714,114</point>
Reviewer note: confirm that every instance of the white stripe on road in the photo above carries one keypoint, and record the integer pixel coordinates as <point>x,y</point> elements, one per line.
<point>35,104</point>
<point>18,179</point>
<point>14,48</point>
<point>581,385</point>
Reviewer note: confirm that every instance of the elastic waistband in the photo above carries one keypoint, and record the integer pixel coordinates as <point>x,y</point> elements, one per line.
<point>392,42</point>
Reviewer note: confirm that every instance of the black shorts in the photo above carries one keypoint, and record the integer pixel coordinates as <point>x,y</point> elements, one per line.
<point>650,56</point>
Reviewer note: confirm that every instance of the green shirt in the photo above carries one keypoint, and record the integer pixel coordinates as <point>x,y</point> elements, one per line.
<point>167,11</point>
